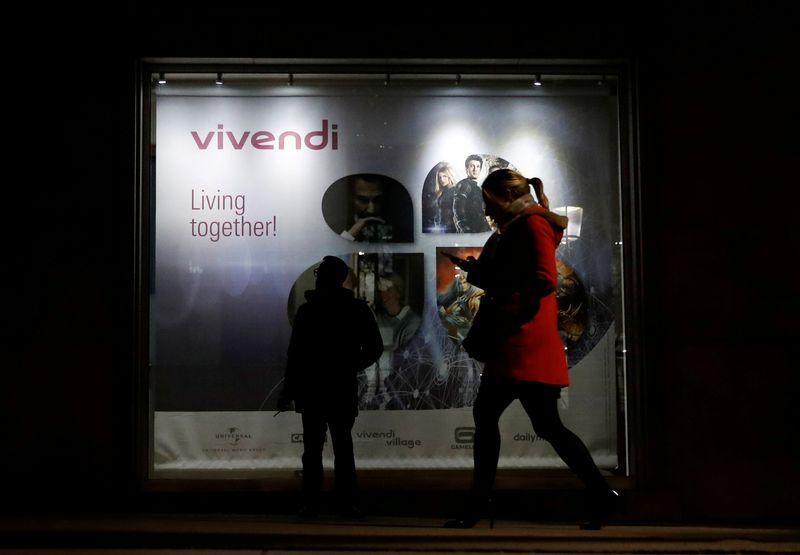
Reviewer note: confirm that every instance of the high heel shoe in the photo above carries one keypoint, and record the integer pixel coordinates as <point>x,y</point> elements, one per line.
<point>472,517</point>
<point>601,507</point>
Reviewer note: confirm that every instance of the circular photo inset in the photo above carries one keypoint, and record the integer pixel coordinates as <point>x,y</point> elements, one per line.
<point>451,196</point>
<point>369,207</point>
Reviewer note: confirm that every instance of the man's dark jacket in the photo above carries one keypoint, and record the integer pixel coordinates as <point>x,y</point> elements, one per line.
<point>334,337</point>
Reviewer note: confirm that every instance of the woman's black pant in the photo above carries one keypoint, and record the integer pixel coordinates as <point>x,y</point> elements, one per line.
<point>540,402</point>
<point>315,426</point>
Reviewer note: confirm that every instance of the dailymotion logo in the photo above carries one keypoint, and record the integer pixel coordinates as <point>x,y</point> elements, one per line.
<point>527,437</point>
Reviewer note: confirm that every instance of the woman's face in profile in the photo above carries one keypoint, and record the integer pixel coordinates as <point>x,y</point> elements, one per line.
<point>492,206</point>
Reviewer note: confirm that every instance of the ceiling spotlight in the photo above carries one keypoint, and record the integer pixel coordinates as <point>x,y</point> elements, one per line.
<point>219,78</point>
<point>537,80</point>
<point>162,80</point>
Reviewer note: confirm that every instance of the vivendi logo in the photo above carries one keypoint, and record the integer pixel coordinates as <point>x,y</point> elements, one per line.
<point>326,137</point>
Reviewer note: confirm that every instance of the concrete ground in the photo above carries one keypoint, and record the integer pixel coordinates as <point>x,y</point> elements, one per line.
<point>274,534</point>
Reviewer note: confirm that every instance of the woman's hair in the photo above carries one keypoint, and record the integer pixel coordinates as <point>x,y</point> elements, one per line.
<point>516,183</point>
<point>447,169</point>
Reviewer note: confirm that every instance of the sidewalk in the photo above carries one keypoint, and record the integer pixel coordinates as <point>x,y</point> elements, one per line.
<point>245,535</point>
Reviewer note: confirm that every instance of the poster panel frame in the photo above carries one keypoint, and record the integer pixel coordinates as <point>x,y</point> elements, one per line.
<point>629,355</point>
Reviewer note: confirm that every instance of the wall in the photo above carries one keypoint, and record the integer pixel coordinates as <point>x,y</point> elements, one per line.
<point>718,134</point>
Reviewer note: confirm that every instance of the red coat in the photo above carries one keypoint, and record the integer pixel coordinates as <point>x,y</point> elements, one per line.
<point>517,269</point>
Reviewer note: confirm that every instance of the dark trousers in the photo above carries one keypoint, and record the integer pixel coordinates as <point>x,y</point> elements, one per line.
<point>315,426</point>
<point>540,402</point>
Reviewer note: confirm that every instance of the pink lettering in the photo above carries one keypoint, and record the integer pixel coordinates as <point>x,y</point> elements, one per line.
<point>260,140</point>
<point>202,145</point>
<point>325,137</point>
<point>282,138</point>
<point>238,145</point>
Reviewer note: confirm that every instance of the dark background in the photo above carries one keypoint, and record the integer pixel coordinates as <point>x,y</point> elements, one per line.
<point>718,127</point>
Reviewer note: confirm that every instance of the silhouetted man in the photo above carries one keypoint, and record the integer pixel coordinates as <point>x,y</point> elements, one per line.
<point>334,337</point>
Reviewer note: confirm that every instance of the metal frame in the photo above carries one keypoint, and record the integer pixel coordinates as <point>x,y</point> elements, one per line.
<point>631,438</point>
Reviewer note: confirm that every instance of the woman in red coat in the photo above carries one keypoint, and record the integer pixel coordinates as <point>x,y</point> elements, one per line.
<point>516,334</point>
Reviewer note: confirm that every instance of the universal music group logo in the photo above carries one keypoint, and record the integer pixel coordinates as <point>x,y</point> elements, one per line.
<point>233,435</point>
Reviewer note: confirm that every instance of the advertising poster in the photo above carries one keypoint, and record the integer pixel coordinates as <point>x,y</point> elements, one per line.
<point>253,187</point>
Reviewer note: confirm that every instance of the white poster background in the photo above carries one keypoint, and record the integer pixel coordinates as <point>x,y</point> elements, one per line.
<point>219,322</point>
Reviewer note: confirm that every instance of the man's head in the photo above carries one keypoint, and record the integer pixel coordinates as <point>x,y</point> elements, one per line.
<point>331,273</point>
<point>473,165</point>
<point>391,290</point>
<point>368,196</point>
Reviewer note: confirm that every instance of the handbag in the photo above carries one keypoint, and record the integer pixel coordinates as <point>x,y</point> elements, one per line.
<point>492,326</point>
<point>484,335</point>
